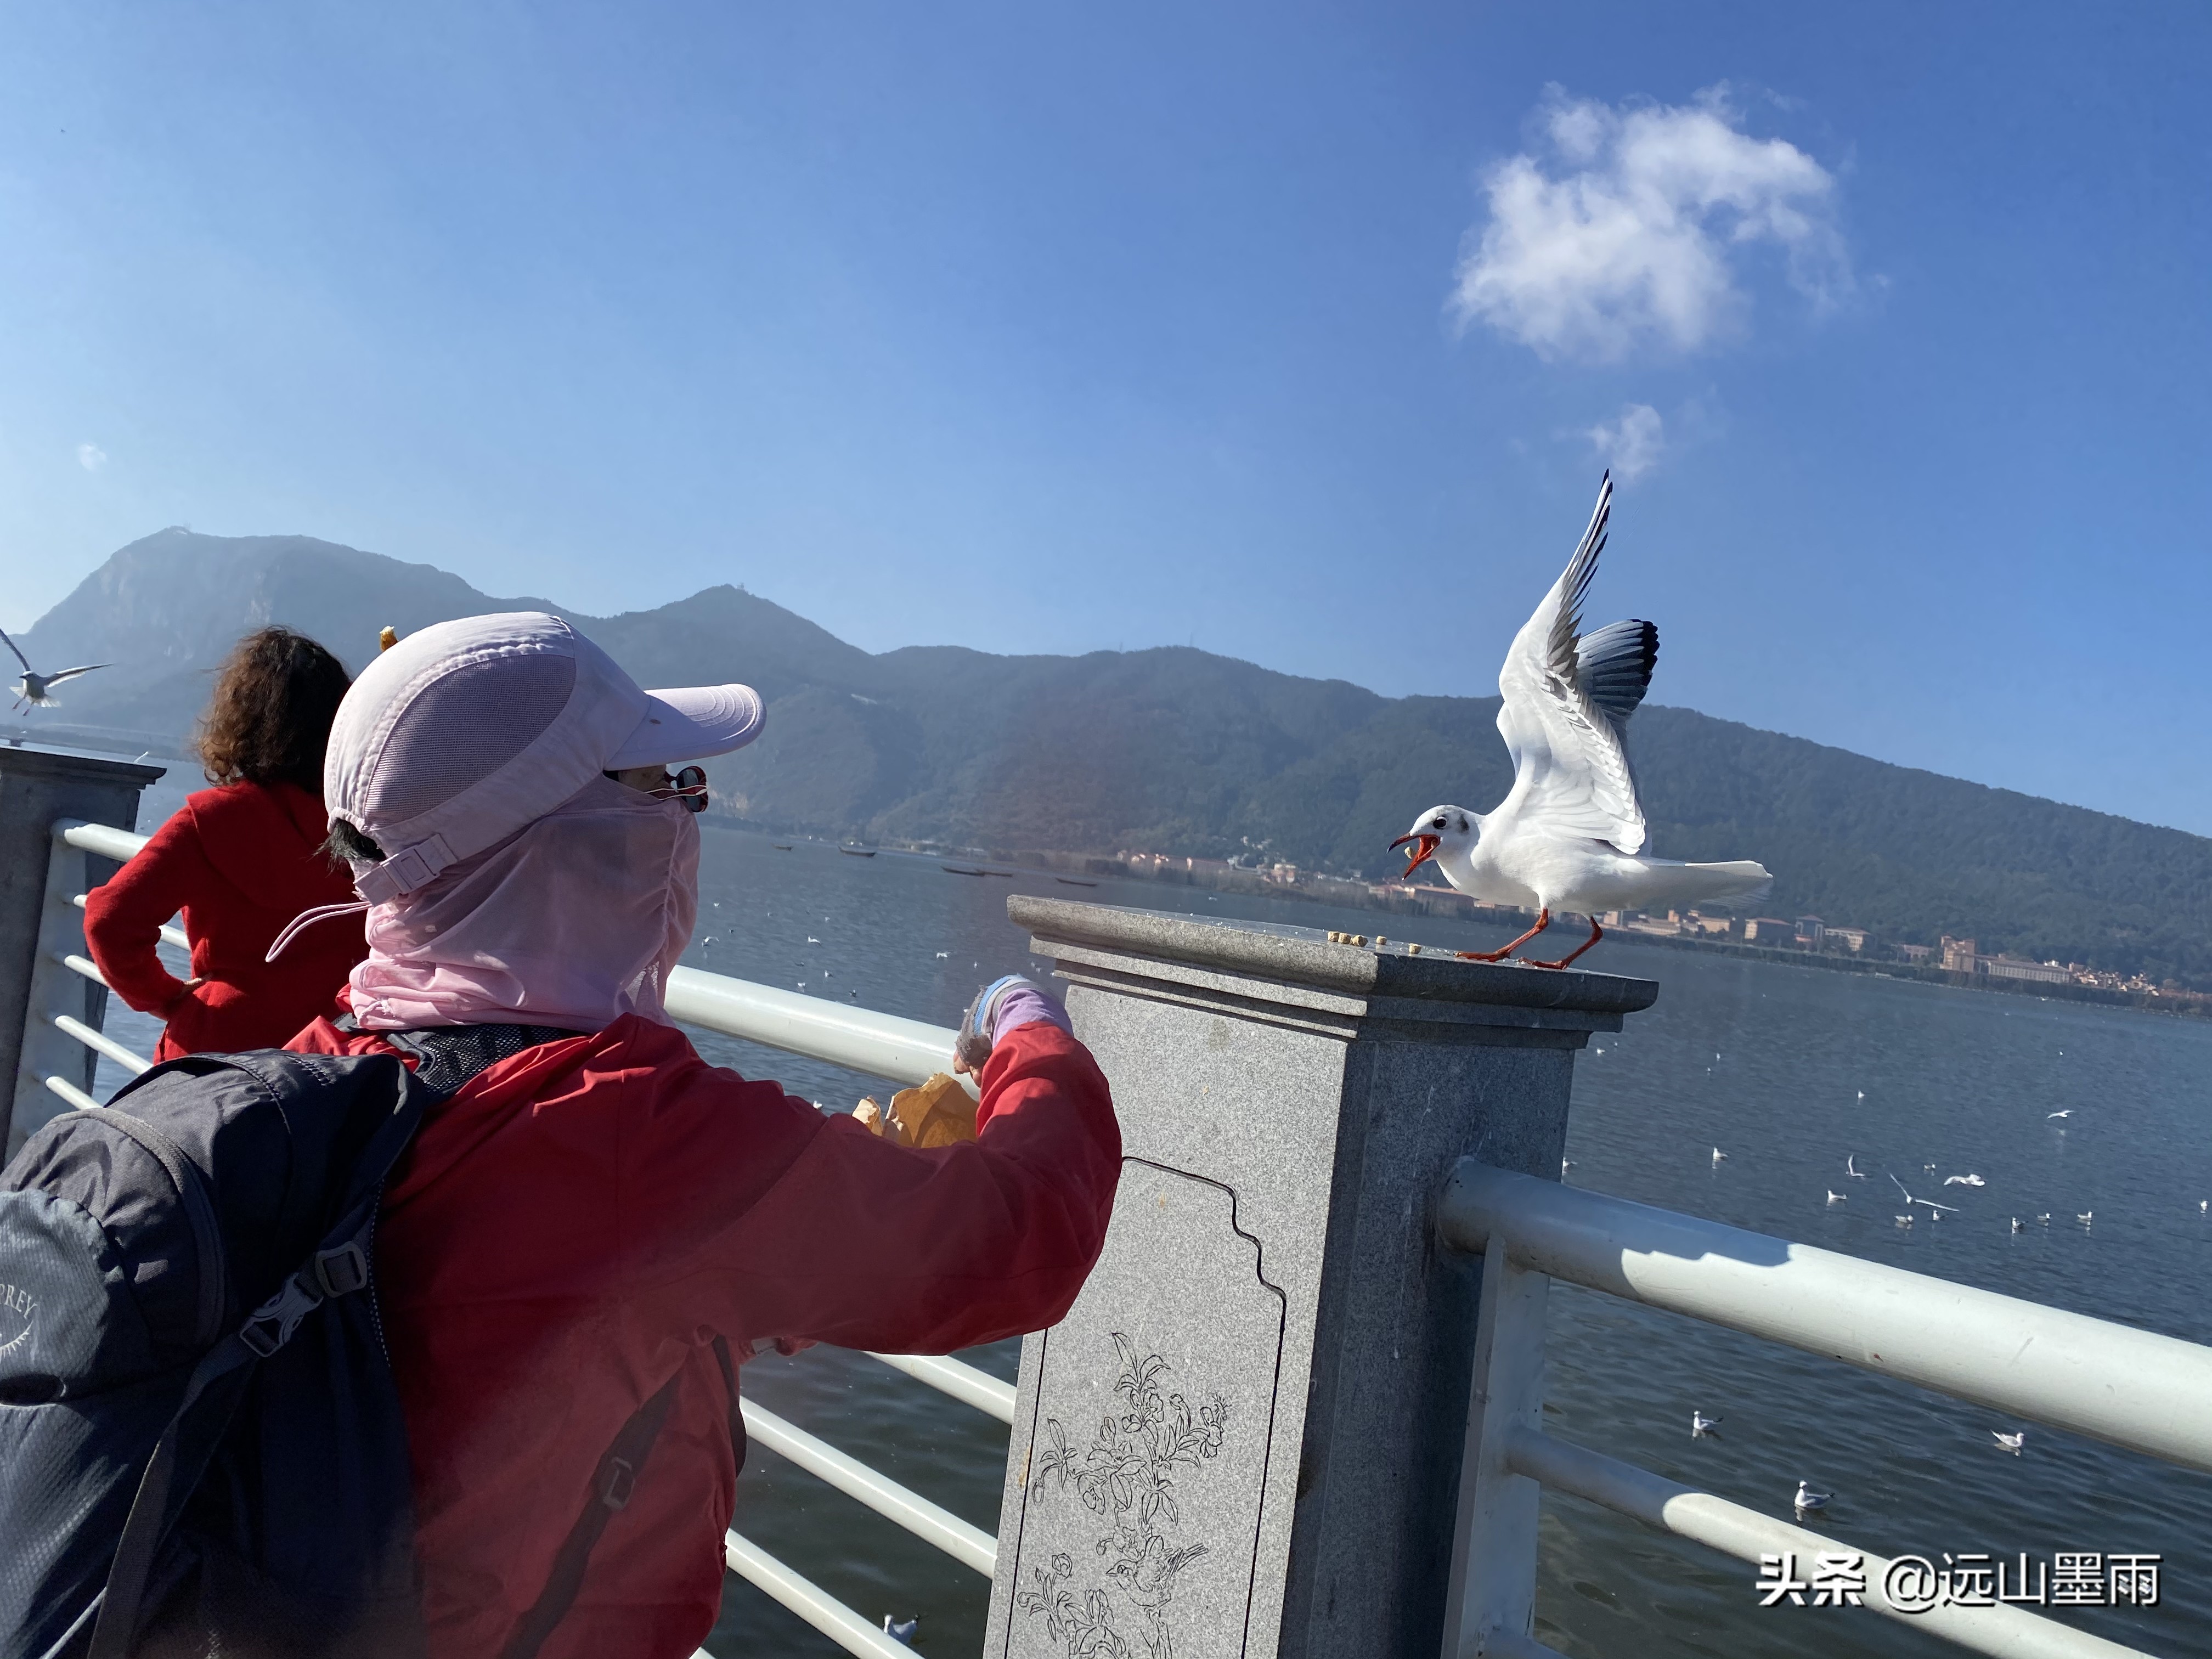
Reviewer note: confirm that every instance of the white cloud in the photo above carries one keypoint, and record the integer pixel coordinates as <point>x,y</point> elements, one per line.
<point>1635,239</point>
<point>1632,445</point>
<point>91,456</point>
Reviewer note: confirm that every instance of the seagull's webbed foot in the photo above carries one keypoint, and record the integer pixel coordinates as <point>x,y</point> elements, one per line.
<point>1543,920</point>
<point>1597,933</point>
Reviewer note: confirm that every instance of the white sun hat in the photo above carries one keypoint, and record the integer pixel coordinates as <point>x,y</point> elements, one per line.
<point>465,731</point>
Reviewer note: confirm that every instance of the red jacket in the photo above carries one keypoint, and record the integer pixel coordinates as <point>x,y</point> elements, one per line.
<point>240,861</point>
<point>580,1222</point>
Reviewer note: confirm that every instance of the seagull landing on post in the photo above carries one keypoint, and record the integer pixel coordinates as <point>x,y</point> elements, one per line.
<point>1570,835</point>
<point>31,688</point>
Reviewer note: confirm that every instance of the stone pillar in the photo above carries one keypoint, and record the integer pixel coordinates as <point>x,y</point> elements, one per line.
<point>38,785</point>
<point>1246,1436</point>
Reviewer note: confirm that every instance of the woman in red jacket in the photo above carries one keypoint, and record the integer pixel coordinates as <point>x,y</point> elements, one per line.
<point>240,860</point>
<point>593,1219</point>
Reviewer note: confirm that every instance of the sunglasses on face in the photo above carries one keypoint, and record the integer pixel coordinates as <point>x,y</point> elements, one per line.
<point>689,786</point>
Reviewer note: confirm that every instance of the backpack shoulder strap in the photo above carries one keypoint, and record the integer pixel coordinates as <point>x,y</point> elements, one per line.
<point>612,1484</point>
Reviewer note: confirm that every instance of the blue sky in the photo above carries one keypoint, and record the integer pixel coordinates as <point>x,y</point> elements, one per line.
<point>1300,333</point>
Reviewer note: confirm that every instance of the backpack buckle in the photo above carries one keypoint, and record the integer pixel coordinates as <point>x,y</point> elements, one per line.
<point>274,1321</point>
<point>343,1271</point>
<point>616,1485</point>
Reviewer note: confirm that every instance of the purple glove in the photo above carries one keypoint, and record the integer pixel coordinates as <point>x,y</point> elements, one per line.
<point>1004,1006</point>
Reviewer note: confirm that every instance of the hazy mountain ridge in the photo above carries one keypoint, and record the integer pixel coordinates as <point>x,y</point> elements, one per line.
<point>1178,751</point>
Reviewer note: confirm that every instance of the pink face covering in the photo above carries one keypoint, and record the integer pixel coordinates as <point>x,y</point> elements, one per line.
<point>573,921</point>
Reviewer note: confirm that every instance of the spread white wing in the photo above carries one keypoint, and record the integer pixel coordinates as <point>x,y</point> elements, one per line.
<point>72,673</point>
<point>19,657</point>
<point>1567,699</point>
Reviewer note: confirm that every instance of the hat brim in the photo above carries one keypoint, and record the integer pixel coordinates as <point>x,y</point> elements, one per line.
<point>692,723</point>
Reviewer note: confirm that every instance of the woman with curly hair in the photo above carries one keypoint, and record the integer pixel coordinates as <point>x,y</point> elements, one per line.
<point>240,860</point>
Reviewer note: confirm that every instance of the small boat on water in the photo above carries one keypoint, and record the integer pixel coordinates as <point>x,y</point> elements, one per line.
<point>780,846</point>
<point>960,870</point>
<point>1073,881</point>
<point>859,852</point>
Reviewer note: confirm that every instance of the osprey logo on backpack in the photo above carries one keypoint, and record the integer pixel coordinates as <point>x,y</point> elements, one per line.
<point>19,1311</point>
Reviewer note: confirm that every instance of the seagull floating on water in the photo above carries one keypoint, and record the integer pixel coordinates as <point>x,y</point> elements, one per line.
<point>2068,1112</point>
<point>2086,1217</point>
<point>2011,1442</point>
<point>31,688</point>
<point>1570,834</point>
<point>1905,1221</point>
<point>2017,1226</point>
<point>1701,1425</point>
<point>1809,1499</point>
<point>1718,1155</point>
<point>1965,1181</point>
<point>1836,1197</point>
<point>2045,1217</point>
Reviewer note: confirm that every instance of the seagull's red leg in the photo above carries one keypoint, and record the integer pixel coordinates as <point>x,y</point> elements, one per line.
<point>1543,920</point>
<point>1597,933</point>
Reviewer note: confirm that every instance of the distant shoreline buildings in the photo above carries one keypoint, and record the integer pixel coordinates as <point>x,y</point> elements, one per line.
<point>1810,936</point>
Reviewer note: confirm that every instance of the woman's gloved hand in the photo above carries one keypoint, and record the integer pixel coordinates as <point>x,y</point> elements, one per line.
<point>1003,1005</point>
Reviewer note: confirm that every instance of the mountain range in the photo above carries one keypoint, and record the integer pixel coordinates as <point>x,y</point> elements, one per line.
<point>1176,750</point>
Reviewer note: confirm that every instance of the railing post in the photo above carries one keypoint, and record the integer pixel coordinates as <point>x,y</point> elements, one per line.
<point>1247,1436</point>
<point>1492,1595</point>
<point>37,923</point>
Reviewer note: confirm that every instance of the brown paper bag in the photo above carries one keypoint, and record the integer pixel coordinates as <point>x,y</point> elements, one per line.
<point>939,1113</point>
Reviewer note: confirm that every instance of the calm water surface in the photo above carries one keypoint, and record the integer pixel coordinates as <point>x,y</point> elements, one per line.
<point>1788,1071</point>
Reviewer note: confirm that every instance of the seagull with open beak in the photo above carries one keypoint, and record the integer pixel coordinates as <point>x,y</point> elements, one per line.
<point>1571,833</point>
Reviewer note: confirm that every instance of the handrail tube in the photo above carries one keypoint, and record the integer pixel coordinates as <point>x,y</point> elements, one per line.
<point>823,1611</point>
<point>104,839</point>
<point>69,1092</point>
<point>968,1545</point>
<point>85,965</point>
<point>881,1045</point>
<point>2130,1388</point>
<point>175,936</point>
<point>2006,1630</point>
<point>101,1044</point>
<point>985,1392</point>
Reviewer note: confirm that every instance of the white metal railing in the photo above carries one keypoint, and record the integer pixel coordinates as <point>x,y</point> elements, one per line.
<point>881,1045</point>
<point>2151,1394</point>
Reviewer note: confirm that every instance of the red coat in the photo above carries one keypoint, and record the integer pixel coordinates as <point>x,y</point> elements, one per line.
<point>577,1224</point>
<point>240,861</point>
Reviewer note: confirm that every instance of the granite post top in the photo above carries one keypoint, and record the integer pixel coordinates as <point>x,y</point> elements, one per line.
<point>76,765</point>
<point>1304,955</point>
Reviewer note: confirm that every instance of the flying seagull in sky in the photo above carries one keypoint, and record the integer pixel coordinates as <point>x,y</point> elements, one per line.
<point>31,688</point>
<point>1910,1201</point>
<point>1570,835</point>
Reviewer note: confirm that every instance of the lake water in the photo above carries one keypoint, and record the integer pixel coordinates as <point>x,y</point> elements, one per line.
<point>1788,1071</point>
